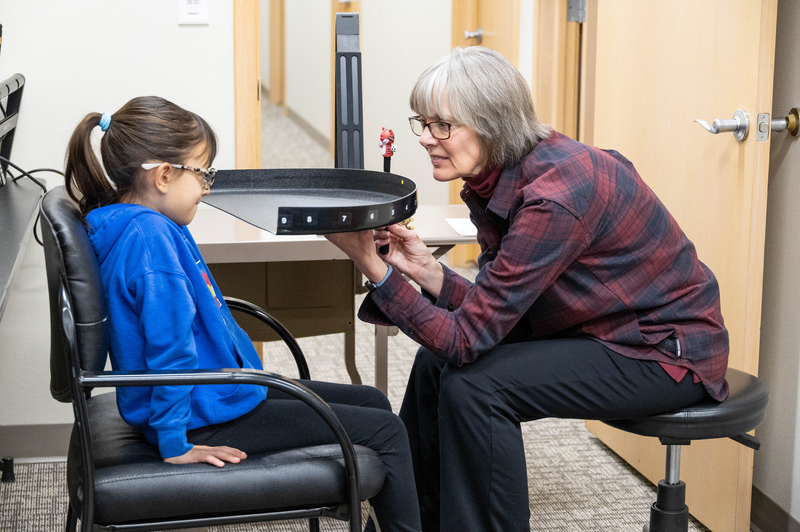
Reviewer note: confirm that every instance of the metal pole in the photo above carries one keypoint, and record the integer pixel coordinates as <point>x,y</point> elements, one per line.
<point>673,473</point>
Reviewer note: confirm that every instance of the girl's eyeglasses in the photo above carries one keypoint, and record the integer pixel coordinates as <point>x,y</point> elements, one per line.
<point>208,174</point>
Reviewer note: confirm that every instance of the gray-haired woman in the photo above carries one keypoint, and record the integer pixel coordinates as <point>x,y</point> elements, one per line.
<point>590,302</point>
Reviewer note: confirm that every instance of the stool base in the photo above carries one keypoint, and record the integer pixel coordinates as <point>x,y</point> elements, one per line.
<point>669,513</point>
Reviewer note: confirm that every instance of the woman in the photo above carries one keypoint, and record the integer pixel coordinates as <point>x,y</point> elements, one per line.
<point>590,302</point>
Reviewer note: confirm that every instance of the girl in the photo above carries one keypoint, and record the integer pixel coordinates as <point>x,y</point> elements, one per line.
<point>166,312</point>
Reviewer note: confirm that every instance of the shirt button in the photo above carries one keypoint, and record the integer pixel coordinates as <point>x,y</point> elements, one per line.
<point>450,307</point>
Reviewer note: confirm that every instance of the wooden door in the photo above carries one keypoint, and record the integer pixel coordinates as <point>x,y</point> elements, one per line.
<point>499,20</point>
<point>650,69</point>
<point>247,83</point>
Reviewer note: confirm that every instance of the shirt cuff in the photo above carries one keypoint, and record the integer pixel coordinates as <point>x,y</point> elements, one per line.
<point>370,310</point>
<point>172,442</point>
<point>388,273</point>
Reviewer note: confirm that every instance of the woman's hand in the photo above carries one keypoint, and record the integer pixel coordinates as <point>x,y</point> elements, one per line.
<point>213,455</point>
<point>409,255</point>
<point>360,247</point>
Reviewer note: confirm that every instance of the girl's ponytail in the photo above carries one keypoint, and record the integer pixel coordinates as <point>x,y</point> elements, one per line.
<point>85,180</point>
<point>145,129</point>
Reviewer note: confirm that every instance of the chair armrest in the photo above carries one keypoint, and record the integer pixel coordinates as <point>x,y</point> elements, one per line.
<point>107,379</point>
<point>259,313</point>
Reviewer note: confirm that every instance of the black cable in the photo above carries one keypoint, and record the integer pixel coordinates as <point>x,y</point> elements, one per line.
<point>26,174</point>
<point>53,170</point>
<point>41,185</point>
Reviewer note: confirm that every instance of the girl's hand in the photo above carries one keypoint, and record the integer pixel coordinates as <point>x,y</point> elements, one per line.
<point>213,455</point>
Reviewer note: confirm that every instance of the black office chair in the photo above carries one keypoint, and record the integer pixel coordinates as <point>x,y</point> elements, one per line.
<point>117,480</point>
<point>743,411</point>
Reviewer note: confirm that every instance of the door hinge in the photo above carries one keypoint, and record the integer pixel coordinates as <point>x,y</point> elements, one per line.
<point>576,11</point>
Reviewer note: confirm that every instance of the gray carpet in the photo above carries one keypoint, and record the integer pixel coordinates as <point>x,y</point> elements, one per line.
<point>575,482</point>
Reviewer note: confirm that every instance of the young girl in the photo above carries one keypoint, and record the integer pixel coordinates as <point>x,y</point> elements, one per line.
<point>166,312</point>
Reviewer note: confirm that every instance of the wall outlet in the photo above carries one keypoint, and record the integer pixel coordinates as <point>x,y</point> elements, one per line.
<point>192,12</point>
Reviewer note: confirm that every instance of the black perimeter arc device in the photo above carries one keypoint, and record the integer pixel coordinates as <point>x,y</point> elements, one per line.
<point>323,200</point>
<point>305,201</point>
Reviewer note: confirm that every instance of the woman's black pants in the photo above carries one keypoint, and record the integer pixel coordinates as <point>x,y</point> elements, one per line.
<point>464,422</point>
<point>282,422</point>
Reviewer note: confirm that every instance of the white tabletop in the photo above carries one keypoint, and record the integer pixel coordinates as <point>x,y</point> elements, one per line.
<point>222,238</point>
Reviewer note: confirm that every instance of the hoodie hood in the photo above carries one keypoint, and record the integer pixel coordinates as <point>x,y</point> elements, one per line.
<point>107,224</point>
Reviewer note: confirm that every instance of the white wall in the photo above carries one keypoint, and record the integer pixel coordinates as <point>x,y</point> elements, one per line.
<point>777,465</point>
<point>397,45</point>
<point>308,62</point>
<point>77,57</point>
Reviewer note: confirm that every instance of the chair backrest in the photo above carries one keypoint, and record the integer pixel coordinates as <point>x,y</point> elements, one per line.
<point>72,269</point>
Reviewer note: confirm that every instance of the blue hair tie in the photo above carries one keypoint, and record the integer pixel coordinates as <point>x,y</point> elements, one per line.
<point>105,120</point>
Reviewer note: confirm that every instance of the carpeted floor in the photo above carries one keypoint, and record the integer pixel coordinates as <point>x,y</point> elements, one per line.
<point>575,482</point>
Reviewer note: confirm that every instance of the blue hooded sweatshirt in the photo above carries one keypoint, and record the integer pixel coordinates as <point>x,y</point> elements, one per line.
<point>167,313</point>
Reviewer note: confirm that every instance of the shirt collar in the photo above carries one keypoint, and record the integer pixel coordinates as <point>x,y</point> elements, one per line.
<point>485,182</point>
<point>505,197</point>
<point>505,193</point>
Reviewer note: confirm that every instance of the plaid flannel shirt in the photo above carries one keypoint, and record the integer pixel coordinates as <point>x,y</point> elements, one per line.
<point>573,244</point>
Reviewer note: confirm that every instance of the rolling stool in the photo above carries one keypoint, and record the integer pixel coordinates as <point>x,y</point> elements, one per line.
<point>743,411</point>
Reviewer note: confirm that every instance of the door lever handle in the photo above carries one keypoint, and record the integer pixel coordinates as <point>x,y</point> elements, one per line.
<point>739,125</point>
<point>474,35</point>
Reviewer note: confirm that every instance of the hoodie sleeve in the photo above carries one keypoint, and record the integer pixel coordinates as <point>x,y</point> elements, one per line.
<point>167,310</point>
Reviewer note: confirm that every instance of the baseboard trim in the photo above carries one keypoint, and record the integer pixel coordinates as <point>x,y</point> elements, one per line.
<point>767,516</point>
<point>34,443</point>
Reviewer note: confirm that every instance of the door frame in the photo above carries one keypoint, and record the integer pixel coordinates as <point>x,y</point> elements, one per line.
<point>277,52</point>
<point>247,83</point>
<point>557,67</point>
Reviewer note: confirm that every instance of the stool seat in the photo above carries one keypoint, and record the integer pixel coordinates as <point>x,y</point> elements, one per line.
<point>743,410</point>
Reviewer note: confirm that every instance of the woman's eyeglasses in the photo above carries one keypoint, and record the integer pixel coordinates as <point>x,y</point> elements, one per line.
<point>439,130</point>
<point>208,174</point>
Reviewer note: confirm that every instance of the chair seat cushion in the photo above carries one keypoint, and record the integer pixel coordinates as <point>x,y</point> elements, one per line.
<point>741,412</point>
<point>133,483</point>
